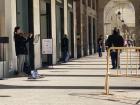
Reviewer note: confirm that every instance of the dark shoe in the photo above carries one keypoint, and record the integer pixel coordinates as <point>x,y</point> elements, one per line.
<point>113,68</point>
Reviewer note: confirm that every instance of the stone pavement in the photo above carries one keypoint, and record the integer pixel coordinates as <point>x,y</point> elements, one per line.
<point>78,82</point>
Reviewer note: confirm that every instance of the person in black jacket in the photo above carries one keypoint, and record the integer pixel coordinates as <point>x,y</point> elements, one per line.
<point>100,41</point>
<point>65,48</point>
<point>20,46</point>
<point>115,40</point>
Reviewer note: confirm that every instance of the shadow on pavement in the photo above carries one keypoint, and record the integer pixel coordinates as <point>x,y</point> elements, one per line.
<point>66,87</point>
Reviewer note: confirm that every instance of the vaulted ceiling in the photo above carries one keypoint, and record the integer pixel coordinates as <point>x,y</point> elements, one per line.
<point>126,9</point>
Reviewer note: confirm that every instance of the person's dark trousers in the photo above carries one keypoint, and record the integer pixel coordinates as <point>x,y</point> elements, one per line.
<point>100,52</point>
<point>64,56</point>
<point>114,59</point>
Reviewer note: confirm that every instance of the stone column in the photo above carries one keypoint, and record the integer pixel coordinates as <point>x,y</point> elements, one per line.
<point>92,35</point>
<point>36,15</point>
<point>78,29</point>
<point>100,23</point>
<point>96,35</point>
<point>100,4</point>
<point>84,28</point>
<point>66,17</point>
<point>87,30</point>
<point>137,23</point>
<point>53,19</point>
<point>10,23</point>
<point>75,29</point>
<point>81,28</point>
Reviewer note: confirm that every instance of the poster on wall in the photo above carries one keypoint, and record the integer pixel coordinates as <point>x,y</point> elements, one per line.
<point>47,46</point>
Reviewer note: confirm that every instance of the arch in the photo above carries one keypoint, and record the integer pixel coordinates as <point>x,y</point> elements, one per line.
<point>107,1</point>
<point>110,12</point>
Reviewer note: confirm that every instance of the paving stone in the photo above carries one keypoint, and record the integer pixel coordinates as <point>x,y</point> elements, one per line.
<point>78,82</point>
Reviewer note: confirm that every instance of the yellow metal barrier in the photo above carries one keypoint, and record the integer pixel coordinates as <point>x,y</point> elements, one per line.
<point>129,59</point>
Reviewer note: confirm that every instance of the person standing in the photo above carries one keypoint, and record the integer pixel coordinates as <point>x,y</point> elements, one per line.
<point>65,48</point>
<point>20,47</point>
<point>100,45</point>
<point>115,40</point>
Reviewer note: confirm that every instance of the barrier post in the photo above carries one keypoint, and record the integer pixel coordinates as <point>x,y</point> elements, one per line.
<point>127,63</point>
<point>107,74</point>
<point>131,62</point>
<point>139,58</point>
<point>117,61</point>
<point>137,65</point>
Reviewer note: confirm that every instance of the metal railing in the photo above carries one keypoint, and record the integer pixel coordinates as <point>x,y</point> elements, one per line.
<point>129,60</point>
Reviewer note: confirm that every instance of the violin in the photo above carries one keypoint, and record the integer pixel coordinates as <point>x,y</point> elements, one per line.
<point>26,35</point>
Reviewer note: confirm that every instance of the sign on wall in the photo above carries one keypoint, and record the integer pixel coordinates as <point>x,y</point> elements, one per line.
<point>47,46</point>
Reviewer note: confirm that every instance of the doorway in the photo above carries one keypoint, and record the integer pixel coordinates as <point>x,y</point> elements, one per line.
<point>94,36</point>
<point>46,33</point>
<point>25,21</point>
<point>59,29</point>
<point>71,33</point>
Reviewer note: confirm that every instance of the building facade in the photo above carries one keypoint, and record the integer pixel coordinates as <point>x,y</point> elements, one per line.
<point>49,19</point>
<point>86,18</point>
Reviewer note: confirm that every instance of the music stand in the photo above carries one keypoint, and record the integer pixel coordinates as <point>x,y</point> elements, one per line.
<point>3,41</point>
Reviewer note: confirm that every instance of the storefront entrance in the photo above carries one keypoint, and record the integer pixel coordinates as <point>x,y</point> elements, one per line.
<point>45,23</point>
<point>25,21</point>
